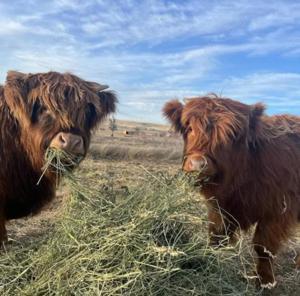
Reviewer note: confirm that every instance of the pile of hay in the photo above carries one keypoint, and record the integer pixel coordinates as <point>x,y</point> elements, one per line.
<point>148,240</point>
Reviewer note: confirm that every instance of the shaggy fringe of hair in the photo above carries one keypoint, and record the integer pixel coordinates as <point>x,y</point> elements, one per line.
<point>61,94</point>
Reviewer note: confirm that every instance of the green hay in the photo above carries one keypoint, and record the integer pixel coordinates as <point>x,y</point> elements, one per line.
<point>59,162</point>
<point>150,240</point>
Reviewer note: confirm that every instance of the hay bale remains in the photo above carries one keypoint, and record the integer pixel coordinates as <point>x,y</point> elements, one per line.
<point>148,240</point>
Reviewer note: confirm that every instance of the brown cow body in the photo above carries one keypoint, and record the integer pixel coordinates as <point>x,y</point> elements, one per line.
<point>38,111</point>
<point>251,166</point>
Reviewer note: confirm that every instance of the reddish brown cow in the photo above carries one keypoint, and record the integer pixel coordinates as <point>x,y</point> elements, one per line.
<point>38,111</point>
<point>249,170</point>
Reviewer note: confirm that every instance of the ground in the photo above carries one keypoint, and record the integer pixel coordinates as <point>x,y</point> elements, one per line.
<point>137,150</point>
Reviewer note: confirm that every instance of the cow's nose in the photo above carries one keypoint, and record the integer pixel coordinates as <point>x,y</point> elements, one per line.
<point>68,142</point>
<point>194,165</point>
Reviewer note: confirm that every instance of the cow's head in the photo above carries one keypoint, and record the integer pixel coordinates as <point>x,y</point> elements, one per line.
<point>56,110</point>
<point>214,130</point>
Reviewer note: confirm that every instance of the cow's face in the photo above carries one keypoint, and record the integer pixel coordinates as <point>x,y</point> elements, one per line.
<point>212,128</point>
<point>57,111</point>
<point>196,156</point>
<point>48,131</point>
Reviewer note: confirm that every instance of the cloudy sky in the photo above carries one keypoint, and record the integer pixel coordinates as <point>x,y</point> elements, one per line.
<point>151,51</point>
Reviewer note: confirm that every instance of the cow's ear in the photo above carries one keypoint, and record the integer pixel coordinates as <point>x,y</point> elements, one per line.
<point>256,111</point>
<point>15,92</point>
<point>17,80</point>
<point>173,111</point>
<point>108,102</point>
<point>15,75</point>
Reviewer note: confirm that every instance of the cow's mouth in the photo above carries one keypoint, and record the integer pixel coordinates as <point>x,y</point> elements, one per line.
<point>200,179</point>
<point>201,170</point>
<point>59,162</point>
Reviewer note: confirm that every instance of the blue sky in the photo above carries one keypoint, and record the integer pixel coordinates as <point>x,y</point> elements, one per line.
<point>152,51</point>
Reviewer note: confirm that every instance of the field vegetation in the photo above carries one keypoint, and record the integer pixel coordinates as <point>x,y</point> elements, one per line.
<point>128,222</point>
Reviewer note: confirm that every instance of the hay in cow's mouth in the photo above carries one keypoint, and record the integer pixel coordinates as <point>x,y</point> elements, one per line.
<point>196,179</point>
<point>59,162</point>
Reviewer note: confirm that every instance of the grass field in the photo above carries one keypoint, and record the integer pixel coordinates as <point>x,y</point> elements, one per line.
<point>129,223</point>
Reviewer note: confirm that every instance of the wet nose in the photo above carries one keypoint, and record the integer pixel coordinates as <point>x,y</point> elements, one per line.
<point>68,142</point>
<point>194,165</point>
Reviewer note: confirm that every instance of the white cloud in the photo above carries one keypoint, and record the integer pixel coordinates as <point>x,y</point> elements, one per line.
<point>280,13</point>
<point>274,89</point>
<point>156,22</point>
<point>8,27</point>
<point>154,50</point>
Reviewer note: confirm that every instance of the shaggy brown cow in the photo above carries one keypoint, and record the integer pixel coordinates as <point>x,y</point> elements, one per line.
<point>38,111</point>
<point>248,165</point>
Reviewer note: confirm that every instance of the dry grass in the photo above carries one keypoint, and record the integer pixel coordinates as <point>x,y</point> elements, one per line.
<point>144,143</point>
<point>125,152</point>
<point>127,242</point>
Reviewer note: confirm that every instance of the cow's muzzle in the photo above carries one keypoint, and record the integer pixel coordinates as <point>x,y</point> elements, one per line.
<point>200,164</point>
<point>69,143</point>
<point>194,165</point>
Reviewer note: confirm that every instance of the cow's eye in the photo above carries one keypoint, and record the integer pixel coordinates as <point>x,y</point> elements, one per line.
<point>91,115</point>
<point>188,130</point>
<point>37,111</point>
<point>209,127</point>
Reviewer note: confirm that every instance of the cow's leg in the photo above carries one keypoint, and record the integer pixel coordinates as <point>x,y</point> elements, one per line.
<point>298,261</point>
<point>220,228</point>
<point>3,233</point>
<point>267,240</point>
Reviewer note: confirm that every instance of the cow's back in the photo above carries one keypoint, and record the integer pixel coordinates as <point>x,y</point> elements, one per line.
<point>281,125</point>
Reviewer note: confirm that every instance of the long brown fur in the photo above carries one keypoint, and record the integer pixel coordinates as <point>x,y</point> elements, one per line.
<point>256,162</point>
<point>33,109</point>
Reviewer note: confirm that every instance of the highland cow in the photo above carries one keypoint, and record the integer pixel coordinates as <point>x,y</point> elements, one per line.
<point>38,111</point>
<point>248,168</point>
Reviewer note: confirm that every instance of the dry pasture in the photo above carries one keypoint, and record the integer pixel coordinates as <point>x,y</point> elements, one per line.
<point>120,163</point>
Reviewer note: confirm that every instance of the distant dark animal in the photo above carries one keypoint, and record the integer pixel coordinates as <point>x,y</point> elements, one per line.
<point>248,165</point>
<point>38,111</point>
